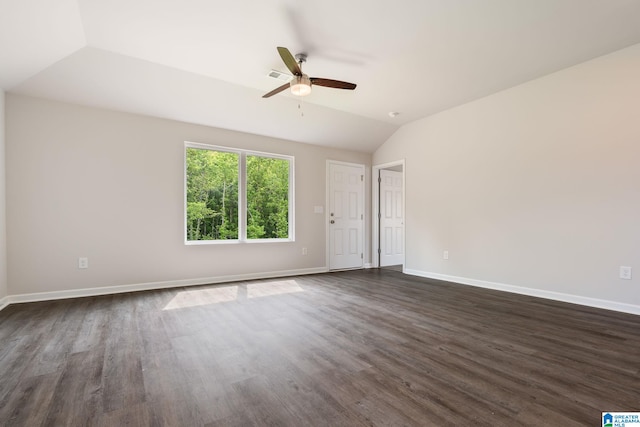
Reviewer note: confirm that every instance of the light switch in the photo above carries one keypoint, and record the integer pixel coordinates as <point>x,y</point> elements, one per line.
<point>625,272</point>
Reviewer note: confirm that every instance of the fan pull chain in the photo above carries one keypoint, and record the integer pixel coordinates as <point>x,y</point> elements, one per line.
<point>300,103</point>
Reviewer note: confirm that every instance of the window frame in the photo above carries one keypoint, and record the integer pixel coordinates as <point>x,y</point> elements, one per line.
<point>242,195</point>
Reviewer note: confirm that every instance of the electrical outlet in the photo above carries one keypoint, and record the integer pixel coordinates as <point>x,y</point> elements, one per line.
<point>83,262</point>
<point>445,255</point>
<point>304,251</point>
<point>625,272</point>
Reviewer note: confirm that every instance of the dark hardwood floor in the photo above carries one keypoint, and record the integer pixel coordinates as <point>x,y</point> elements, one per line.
<point>360,348</point>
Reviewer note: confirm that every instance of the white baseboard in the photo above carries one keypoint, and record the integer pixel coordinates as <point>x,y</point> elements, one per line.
<point>108,290</point>
<point>556,296</point>
<point>78,293</point>
<point>4,302</point>
<point>367,265</point>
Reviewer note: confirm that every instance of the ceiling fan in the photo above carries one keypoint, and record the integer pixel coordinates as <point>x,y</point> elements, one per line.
<point>301,83</point>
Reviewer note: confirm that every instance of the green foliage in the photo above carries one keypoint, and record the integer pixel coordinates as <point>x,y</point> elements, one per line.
<point>267,198</point>
<point>212,196</point>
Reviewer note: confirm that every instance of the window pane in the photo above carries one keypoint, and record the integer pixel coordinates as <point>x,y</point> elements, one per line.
<point>267,198</point>
<point>212,195</point>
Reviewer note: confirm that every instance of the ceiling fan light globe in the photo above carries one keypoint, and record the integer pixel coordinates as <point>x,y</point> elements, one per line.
<point>301,85</point>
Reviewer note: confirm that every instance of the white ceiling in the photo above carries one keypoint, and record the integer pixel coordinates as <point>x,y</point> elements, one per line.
<point>206,61</point>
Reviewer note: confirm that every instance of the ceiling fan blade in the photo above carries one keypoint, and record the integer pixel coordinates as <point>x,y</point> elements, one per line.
<point>337,84</point>
<point>289,61</point>
<point>276,90</point>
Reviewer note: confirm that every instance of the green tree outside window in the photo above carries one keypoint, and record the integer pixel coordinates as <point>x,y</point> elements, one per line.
<point>213,188</point>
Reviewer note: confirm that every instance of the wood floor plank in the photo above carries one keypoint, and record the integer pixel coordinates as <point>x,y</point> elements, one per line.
<point>262,406</point>
<point>139,414</point>
<point>315,405</point>
<point>122,375</point>
<point>77,396</point>
<point>94,327</point>
<point>357,348</point>
<point>30,401</point>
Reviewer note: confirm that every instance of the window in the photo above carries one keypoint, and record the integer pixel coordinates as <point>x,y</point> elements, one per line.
<point>212,195</point>
<point>267,197</point>
<point>237,195</point>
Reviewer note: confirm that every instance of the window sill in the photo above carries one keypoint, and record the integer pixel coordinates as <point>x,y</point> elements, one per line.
<point>235,242</point>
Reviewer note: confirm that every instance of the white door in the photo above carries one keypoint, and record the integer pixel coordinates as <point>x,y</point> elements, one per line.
<point>346,216</point>
<point>391,218</point>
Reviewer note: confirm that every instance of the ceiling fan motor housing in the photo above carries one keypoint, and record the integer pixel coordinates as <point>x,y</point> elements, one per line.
<point>300,85</point>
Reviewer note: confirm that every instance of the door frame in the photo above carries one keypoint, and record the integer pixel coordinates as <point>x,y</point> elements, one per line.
<point>375,210</point>
<point>327,204</point>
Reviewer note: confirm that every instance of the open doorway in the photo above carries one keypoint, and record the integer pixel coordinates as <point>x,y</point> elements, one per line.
<point>388,234</point>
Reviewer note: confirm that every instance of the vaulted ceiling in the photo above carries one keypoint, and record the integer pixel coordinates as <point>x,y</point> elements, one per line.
<point>206,61</point>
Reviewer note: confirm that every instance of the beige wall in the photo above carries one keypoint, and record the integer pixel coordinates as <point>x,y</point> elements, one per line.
<point>109,186</point>
<point>537,186</point>
<point>3,233</point>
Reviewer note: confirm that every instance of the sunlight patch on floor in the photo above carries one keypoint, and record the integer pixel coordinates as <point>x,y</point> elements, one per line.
<point>220,294</point>
<point>265,289</point>
<point>194,298</point>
